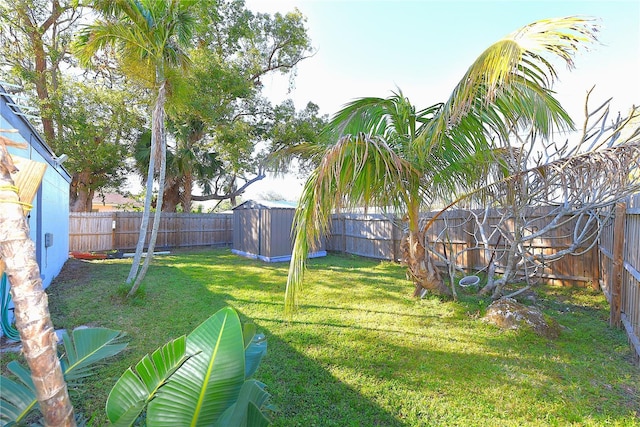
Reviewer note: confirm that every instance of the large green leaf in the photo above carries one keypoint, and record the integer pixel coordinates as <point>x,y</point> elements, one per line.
<point>16,400</point>
<point>247,411</point>
<point>253,354</point>
<point>136,388</point>
<point>209,382</point>
<point>89,345</point>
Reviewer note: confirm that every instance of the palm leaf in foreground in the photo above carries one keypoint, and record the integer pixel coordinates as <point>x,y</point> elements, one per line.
<point>136,387</point>
<point>88,347</point>
<point>357,171</point>
<point>197,380</point>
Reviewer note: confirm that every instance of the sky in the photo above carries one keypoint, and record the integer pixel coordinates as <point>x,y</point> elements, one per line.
<point>371,48</point>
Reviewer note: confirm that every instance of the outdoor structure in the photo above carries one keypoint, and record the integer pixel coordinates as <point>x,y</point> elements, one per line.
<point>49,218</point>
<point>262,230</point>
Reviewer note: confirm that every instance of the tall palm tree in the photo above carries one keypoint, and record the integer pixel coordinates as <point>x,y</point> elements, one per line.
<point>150,38</point>
<point>388,154</point>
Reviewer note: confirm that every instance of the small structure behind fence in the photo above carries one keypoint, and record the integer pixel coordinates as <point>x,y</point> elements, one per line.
<point>102,231</point>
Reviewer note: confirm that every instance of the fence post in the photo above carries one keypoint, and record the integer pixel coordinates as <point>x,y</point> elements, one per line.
<point>618,266</point>
<point>113,231</point>
<point>343,239</point>
<point>470,242</point>
<point>595,268</point>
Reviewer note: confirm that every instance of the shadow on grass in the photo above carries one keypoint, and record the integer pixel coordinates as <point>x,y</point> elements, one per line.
<point>176,300</point>
<point>353,361</point>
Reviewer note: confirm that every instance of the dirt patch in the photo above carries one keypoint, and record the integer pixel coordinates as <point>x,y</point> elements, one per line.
<point>75,272</point>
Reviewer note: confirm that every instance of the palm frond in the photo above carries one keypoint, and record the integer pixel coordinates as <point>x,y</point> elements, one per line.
<point>358,171</point>
<point>508,86</point>
<point>521,57</point>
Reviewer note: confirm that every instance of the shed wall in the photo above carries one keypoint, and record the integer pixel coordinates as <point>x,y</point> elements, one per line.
<point>265,233</point>
<point>276,232</point>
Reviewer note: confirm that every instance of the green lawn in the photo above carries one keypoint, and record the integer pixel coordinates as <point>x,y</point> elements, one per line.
<point>362,351</point>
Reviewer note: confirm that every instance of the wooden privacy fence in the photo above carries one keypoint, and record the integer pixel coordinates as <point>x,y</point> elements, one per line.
<point>620,269</point>
<point>379,236</point>
<point>614,264</point>
<point>101,231</point>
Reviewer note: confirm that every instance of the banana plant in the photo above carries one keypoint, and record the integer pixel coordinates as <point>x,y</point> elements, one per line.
<point>82,350</point>
<point>200,379</point>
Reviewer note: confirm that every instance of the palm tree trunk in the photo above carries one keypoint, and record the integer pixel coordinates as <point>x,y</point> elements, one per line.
<point>33,321</point>
<point>186,192</point>
<point>144,226</point>
<point>158,149</point>
<point>420,265</point>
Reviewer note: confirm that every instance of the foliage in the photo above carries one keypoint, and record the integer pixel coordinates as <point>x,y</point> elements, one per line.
<point>92,120</point>
<point>221,110</point>
<point>150,40</point>
<point>577,183</point>
<point>216,109</point>
<point>362,351</point>
<point>217,358</point>
<point>98,127</point>
<point>385,152</point>
<point>201,379</point>
<point>82,352</point>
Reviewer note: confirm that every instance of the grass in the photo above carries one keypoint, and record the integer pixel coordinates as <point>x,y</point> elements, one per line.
<point>362,351</point>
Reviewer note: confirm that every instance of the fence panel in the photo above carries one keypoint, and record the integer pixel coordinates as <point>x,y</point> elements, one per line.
<point>454,234</point>
<point>91,231</point>
<point>100,231</point>
<point>372,236</point>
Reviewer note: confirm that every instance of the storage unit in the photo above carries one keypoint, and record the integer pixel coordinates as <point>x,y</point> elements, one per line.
<point>262,230</point>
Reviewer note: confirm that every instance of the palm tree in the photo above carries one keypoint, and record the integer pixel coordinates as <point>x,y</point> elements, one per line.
<point>149,38</point>
<point>33,321</point>
<point>388,154</point>
<point>188,164</point>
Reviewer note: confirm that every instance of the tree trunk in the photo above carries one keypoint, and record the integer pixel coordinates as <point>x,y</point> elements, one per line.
<point>144,226</point>
<point>186,194</point>
<point>33,321</point>
<point>172,196</point>
<point>158,149</point>
<point>81,193</point>
<point>421,267</point>
<point>35,33</point>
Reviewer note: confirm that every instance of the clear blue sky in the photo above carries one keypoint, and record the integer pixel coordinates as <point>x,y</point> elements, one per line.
<point>368,48</point>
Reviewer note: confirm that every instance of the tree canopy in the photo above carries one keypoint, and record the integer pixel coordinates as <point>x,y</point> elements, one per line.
<point>215,108</point>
